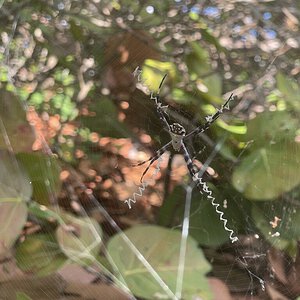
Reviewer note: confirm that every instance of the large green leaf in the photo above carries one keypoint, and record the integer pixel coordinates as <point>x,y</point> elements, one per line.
<point>14,125</point>
<point>271,127</point>
<point>15,191</point>
<point>269,171</point>
<point>205,226</point>
<point>80,239</point>
<point>13,216</point>
<point>40,255</point>
<point>14,182</point>
<point>44,173</point>
<point>160,247</point>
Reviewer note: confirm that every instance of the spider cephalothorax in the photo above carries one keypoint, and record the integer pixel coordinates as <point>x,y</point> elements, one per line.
<point>177,133</point>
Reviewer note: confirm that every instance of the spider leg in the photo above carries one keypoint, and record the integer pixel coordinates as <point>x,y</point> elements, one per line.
<point>210,119</point>
<point>161,110</point>
<point>152,159</point>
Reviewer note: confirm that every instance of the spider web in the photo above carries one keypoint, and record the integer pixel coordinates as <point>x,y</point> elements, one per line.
<point>242,272</point>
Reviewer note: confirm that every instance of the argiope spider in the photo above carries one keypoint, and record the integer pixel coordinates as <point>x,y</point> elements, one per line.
<point>178,136</point>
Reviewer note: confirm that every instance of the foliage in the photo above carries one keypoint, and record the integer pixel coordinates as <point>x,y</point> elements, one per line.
<point>69,65</point>
<point>162,251</point>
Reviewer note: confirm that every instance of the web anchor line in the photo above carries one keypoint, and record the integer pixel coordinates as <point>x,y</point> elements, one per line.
<point>202,186</point>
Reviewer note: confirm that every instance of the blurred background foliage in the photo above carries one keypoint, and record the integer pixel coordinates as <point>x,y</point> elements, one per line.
<point>66,70</point>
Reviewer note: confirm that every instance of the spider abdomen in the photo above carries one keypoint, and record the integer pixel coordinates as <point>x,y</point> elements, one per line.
<point>177,133</point>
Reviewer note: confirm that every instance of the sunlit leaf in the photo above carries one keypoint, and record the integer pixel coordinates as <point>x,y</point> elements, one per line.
<point>161,250</point>
<point>182,97</point>
<point>154,71</point>
<point>36,99</point>
<point>40,254</point>
<point>237,129</point>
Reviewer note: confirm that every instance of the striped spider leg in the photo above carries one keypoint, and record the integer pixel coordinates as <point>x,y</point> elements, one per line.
<point>152,159</point>
<point>161,110</point>
<point>177,131</point>
<point>210,119</point>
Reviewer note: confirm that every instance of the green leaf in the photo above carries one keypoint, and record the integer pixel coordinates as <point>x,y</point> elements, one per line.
<point>36,99</point>
<point>213,83</point>
<point>44,213</point>
<point>80,239</point>
<point>14,182</point>
<point>15,191</point>
<point>237,129</point>
<point>198,60</point>
<point>169,207</point>
<point>13,117</point>
<point>44,173</point>
<point>153,72</point>
<point>289,89</point>
<point>161,249</point>
<point>40,254</point>
<point>205,226</point>
<point>269,171</point>
<point>105,121</point>
<point>22,296</point>
<point>183,97</point>
<point>271,127</point>
<point>13,216</point>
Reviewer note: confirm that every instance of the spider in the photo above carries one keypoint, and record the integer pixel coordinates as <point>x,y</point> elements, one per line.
<point>178,136</point>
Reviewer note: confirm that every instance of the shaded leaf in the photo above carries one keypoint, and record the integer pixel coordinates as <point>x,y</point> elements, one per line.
<point>15,191</point>
<point>198,60</point>
<point>105,120</point>
<point>161,250</point>
<point>268,172</point>
<point>289,89</point>
<point>44,173</point>
<point>13,216</point>
<point>205,225</point>
<point>40,255</point>
<point>271,127</point>
<point>16,127</point>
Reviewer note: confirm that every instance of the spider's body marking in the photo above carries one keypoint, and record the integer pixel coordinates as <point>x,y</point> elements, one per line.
<point>177,133</point>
